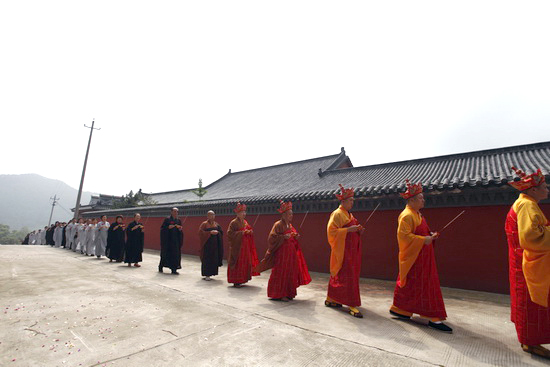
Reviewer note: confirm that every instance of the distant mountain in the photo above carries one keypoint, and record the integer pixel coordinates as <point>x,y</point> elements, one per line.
<point>25,200</point>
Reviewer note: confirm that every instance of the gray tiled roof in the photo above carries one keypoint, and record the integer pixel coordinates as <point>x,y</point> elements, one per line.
<point>474,169</point>
<point>302,180</point>
<point>173,196</point>
<point>103,200</point>
<point>282,179</point>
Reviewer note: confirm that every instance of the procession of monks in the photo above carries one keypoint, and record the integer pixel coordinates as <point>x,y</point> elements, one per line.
<point>417,290</point>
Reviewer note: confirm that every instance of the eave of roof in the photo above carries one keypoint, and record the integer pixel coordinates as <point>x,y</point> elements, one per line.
<point>486,168</point>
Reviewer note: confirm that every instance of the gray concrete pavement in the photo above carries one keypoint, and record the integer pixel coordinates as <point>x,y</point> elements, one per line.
<point>64,309</point>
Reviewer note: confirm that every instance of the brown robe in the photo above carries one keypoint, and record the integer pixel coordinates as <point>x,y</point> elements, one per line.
<point>235,237</point>
<point>204,235</point>
<point>275,239</point>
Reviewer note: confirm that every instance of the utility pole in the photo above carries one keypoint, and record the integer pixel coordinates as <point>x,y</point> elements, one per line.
<point>55,200</point>
<point>77,207</point>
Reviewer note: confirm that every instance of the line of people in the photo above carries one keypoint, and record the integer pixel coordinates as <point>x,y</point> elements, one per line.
<point>93,237</point>
<point>417,290</point>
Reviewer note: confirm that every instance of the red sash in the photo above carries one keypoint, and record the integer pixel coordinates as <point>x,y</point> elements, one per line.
<point>422,293</point>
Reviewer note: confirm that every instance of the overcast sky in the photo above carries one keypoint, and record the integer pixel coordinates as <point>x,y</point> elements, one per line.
<point>184,90</point>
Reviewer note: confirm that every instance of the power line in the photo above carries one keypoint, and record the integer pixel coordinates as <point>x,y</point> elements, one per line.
<point>62,207</point>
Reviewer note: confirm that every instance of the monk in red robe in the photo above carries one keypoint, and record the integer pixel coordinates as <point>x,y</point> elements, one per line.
<point>417,290</point>
<point>242,256</point>
<point>528,234</point>
<point>344,237</point>
<point>285,257</point>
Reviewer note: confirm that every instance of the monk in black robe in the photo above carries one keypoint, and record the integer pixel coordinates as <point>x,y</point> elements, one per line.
<point>211,242</point>
<point>64,241</point>
<point>115,241</point>
<point>134,242</point>
<point>49,235</point>
<point>171,240</point>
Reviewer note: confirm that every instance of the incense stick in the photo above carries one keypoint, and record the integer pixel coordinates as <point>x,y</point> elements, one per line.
<point>455,218</point>
<point>303,220</point>
<point>372,213</point>
<point>255,220</point>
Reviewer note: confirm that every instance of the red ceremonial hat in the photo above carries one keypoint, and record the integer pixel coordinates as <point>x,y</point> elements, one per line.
<point>285,206</point>
<point>345,193</point>
<point>240,208</point>
<point>527,181</point>
<point>412,190</point>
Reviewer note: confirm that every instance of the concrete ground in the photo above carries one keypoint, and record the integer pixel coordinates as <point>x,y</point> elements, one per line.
<point>64,309</point>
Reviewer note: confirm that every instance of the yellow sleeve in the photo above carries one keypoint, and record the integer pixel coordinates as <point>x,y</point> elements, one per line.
<point>337,239</point>
<point>334,228</point>
<point>534,234</point>
<point>405,230</point>
<point>410,245</point>
<point>534,238</point>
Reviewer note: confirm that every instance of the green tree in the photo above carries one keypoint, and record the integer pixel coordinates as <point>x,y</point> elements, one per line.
<point>4,233</point>
<point>132,200</point>
<point>200,191</point>
<point>9,237</point>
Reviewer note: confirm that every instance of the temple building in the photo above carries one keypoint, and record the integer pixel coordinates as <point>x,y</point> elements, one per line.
<point>471,253</point>
<point>99,202</point>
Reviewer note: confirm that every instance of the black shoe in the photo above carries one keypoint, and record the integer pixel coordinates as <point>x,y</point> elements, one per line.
<point>441,327</point>
<point>175,272</point>
<point>399,316</point>
<point>332,304</point>
<point>160,269</point>
<point>357,314</point>
<point>538,350</point>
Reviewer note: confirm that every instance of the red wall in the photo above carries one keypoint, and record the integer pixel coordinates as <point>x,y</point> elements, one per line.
<point>471,253</point>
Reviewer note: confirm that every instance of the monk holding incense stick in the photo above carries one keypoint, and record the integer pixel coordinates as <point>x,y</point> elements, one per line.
<point>417,290</point>
<point>344,237</point>
<point>242,257</point>
<point>284,256</point>
<point>528,233</point>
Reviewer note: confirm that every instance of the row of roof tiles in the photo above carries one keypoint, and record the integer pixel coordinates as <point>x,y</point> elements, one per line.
<point>273,180</point>
<point>318,178</point>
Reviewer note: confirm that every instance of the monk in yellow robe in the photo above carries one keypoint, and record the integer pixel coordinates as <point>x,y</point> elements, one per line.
<point>417,290</point>
<point>344,237</point>
<point>528,234</point>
